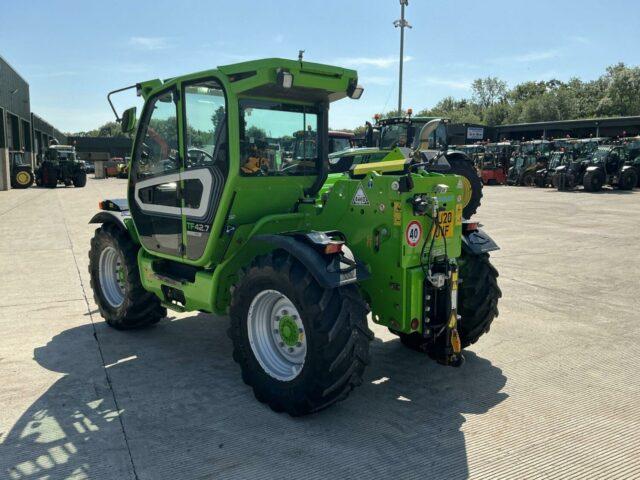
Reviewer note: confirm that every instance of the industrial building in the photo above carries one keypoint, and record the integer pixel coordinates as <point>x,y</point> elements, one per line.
<point>21,131</point>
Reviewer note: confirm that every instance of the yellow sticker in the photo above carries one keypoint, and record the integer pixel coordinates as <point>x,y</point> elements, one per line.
<point>397,213</point>
<point>459,214</point>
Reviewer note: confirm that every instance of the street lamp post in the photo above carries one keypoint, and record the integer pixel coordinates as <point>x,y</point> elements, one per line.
<point>402,24</point>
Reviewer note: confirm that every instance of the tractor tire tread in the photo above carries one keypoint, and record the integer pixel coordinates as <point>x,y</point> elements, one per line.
<point>140,307</point>
<point>337,333</point>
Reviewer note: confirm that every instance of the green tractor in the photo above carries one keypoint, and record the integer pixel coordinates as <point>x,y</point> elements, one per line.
<point>296,271</point>
<point>632,150</point>
<point>608,166</point>
<point>400,138</point>
<point>21,172</point>
<point>532,157</point>
<point>60,165</point>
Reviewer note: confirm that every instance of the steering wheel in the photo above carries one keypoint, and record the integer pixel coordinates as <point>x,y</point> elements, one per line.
<point>199,155</point>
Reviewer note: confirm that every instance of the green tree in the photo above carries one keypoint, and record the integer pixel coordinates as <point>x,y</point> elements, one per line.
<point>488,91</point>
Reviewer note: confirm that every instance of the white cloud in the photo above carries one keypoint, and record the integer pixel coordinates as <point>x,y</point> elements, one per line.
<point>148,43</point>
<point>533,56</point>
<point>377,62</point>
<point>447,82</point>
<point>580,39</point>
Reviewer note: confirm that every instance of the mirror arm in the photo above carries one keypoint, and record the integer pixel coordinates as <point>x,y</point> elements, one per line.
<point>111,103</point>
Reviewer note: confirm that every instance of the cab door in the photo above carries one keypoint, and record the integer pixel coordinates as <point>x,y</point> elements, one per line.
<point>154,181</point>
<point>206,164</point>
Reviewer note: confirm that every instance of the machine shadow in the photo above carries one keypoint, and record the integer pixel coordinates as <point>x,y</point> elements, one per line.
<point>187,413</point>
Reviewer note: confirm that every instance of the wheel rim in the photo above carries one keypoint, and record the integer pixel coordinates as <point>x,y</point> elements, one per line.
<point>276,335</point>
<point>111,276</point>
<point>466,191</point>
<point>23,178</point>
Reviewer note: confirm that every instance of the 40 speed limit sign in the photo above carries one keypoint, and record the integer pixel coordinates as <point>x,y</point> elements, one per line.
<point>413,234</point>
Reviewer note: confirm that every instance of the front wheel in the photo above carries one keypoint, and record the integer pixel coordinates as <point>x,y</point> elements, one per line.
<point>80,179</point>
<point>115,281</point>
<point>628,179</point>
<point>593,181</point>
<point>300,346</point>
<point>528,180</point>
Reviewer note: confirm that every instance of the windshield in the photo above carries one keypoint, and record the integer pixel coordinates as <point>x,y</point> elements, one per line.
<point>600,155</point>
<point>556,159</point>
<point>63,155</point>
<point>305,147</point>
<point>267,125</point>
<point>337,144</point>
<point>394,135</point>
<point>519,162</point>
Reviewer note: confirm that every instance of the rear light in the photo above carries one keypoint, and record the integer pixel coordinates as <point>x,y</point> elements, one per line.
<point>333,247</point>
<point>470,226</point>
<point>101,205</point>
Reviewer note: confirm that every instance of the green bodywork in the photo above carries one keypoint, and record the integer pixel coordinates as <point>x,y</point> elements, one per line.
<point>376,229</point>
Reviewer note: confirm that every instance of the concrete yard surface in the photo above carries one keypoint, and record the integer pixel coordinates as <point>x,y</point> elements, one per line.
<point>550,392</point>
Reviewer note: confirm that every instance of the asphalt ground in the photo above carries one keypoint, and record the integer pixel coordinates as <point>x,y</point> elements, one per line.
<point>551,392</point>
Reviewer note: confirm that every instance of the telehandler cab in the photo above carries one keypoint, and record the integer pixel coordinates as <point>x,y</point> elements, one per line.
<point>297,272</point>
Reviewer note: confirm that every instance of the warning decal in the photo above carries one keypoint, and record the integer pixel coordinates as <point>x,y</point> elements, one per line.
<point>413,233</point>
<point>360,198</point>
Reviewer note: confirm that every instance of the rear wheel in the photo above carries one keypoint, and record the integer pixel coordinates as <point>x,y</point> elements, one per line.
<point>472,184</point>
<point>628,179</point>
<point>301,347</point>
<point>115,280</point>
<point>22,179</point>
<point>528,180</point>
<point>80,179</point>
<point>593,181</point>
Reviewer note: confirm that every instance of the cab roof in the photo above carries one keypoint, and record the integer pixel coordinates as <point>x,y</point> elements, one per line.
<point>311,81</point>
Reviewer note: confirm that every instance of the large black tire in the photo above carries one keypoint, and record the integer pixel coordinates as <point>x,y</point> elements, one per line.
<point>529,179</point>
<point>477,303</point>
<point>49,175</point>
<point>22,178</point>
<point>139,308</point>
<point>593,181</point>
<point>335,327</point>
<point>628,179</point>
<point>461,165</point>
<point>478,297</point>
<point>80,179</point>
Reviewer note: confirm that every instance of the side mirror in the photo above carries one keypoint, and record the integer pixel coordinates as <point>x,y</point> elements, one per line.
<point>128,120</point>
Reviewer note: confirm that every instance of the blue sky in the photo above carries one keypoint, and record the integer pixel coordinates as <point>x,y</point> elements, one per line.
<point>73,52</point>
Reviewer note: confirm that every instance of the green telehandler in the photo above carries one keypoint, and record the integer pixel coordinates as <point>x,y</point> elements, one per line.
<point>297,271</point>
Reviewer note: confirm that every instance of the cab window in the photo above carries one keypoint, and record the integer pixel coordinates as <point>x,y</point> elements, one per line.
<point>158,152</point>
<point>268,129</point>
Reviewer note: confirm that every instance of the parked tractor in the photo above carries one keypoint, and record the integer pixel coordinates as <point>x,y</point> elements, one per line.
<point>398,138</point>
<point>21,172</point>
<point>632,150</point>
<point>544,176</point>
<point>297,272</point>
<point>533,156</point>
<point>60,165</point>
<point>608,167</point>
<point>494,163</point>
